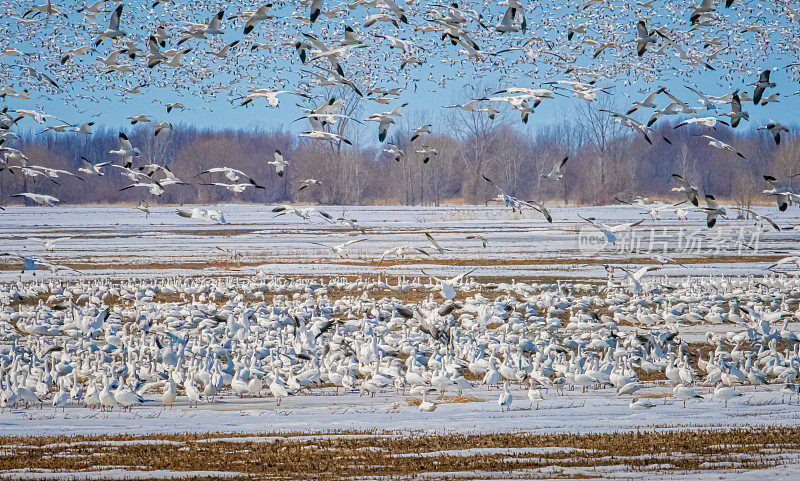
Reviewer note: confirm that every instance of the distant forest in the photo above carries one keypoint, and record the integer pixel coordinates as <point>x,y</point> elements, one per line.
<point>606,160</point>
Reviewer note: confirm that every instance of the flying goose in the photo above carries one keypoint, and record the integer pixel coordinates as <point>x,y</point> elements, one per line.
<point>92,169</point>
<point>425,129</point>
<point>223,52</point>
<point>309,183</point>
<point>644,37</point>
<point>736,113</point>
<point>448,286</point>
<point>39,199</point>
<point>484,240</point>
<point>721,145</point>
<point>555,173</point>
<point>761,85</point>
<point>707,122</point>
<point>508,22</point>
<point>775,128</point>
<point>49,244</point>
<point>426,152</point>
<point>339,249</point>
<point>757,216</point>
<point>384,120</point>
<point>253,18</point>
<point>126,151</point>
<point>327,136</point>
<point>394,151</point>
<point>316,9</point>
<point>235,188</point>
<point>230,173</point>
<point>782,193</point>
<point>113,31</point>
<point>610,231</point>
<point>279,163</point>
<point>162,127</point>
<point>713,210</point>
<point>350,37</point>
<point>647,102</point>
<point>153,187</point>
<point>435,244</point>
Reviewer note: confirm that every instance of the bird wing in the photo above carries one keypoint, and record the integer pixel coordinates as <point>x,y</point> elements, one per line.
<point>113,22</point>
<point>351,242</point>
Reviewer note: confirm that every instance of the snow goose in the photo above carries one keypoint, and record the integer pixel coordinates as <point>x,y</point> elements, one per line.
<point>126,151</point>
<point>555,173</point>
<point>712,210</point>
<point>637,404</point>
<point>761,85</point>
<point>92,169</point>
<point>505,399</point>
<point>39,199</point>
<point>724,393</point>
<point>279,163</point>
<point>775,128</point>
<point>61,397</point>
<point>113,31</point>
<point>277,389</point>
<point>107,401</point>
<point>684,393</point>
<point>644,37</point>
<point>170,393</point>
<point>426,406</point>
<point>340,248</point>
<point>126,397</point>
<point>718,144</point>
<point>689,190</point>
<point>535,394</point>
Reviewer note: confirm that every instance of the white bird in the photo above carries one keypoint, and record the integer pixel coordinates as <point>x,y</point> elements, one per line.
<point>686,188</point>
<point>775,128</point>
<point>712,210</point>
<point>279,163</point>
<point>725,394</point>
<point>340,248</point>
<point>39,199</point>
<point>192,392</point>
<point>555,173</point>
<point>126,151</point>
<point>684,393</point>
<point>113,31</point>
<point>92,169</point>
<point>637,404</point>
<point>505,399</point>
<point>643,37</point>
<point>448,286</point>
<point>610,231</point>
<point>426,406</point>
<point>170,393</point>
<point>721,145</point>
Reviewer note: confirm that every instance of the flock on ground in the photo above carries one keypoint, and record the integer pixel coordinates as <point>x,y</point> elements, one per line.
<point>102,344</point>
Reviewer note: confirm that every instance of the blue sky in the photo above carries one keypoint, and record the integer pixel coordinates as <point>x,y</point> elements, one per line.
<point>550,19</point>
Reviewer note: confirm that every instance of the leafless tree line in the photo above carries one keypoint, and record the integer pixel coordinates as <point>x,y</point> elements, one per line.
<point>606,160</point>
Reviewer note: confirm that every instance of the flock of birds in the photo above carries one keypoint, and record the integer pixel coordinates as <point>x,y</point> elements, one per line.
<point>102,344</point>
<point>56,55</point>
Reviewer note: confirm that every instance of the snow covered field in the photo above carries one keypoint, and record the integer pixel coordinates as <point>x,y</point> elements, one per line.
<point>256,296</point>
<point>120,241</point>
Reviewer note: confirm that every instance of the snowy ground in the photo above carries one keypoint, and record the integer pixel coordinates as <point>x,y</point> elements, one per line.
<point>574,412</point>
<point>121,241</point>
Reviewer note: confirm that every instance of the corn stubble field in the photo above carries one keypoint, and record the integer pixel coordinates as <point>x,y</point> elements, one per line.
<point>356,455</point>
